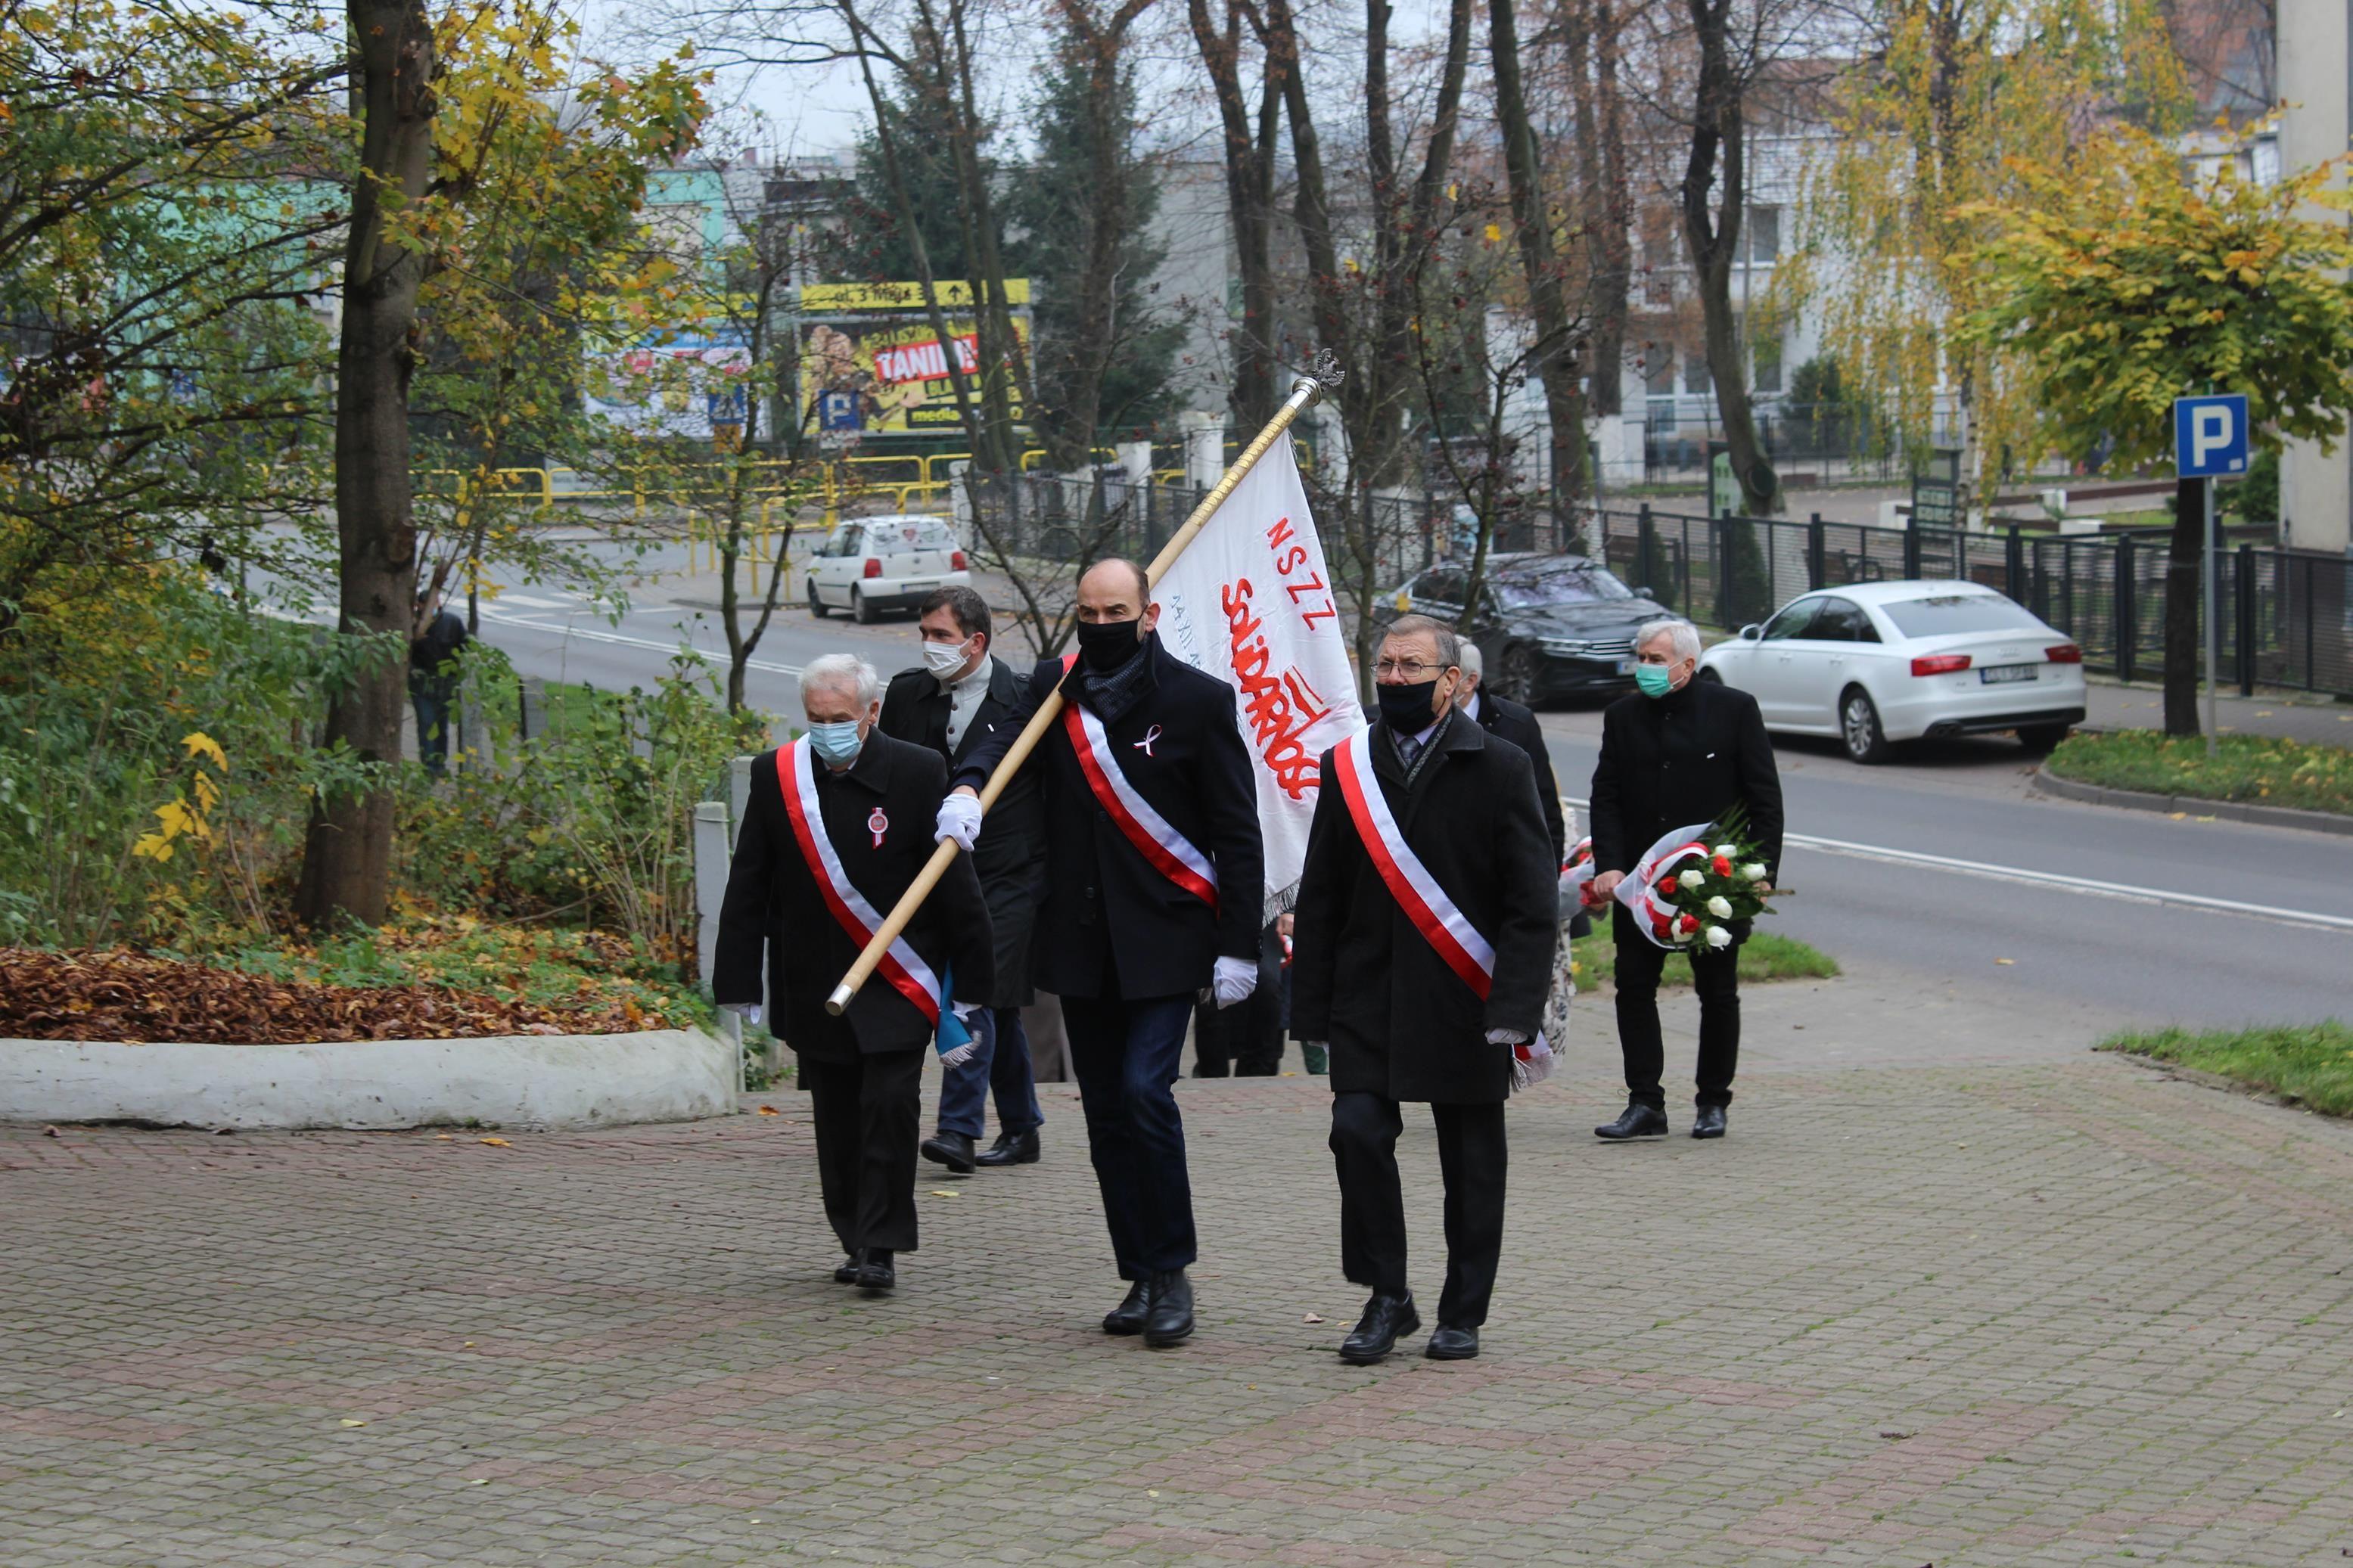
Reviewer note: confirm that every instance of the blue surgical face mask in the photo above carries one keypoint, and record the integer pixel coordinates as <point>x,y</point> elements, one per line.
<point>836,742</point>
<point>1654,679</point>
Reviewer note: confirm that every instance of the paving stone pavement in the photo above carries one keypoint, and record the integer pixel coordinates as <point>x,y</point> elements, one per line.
<point>2046,1311</point>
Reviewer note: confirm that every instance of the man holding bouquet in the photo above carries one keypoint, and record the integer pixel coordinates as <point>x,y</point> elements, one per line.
<point>1678,750</point>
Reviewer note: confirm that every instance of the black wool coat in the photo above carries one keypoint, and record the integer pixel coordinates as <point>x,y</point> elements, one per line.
<point>1112,924</point>
<point>1011,855</point>
<point>1400,1023</point>
<point>1689,756</point>
<point>773,902</point>
<point>1509,721</point>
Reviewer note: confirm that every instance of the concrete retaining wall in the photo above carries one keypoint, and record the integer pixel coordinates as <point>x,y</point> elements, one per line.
<point>515,1080</point>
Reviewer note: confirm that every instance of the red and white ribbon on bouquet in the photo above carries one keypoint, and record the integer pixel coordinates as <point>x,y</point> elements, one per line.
<point>1433,912</point>
<point>1639,890</point>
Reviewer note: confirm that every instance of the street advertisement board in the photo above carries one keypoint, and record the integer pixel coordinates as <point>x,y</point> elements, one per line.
<point>871,362</point>
<point>689,385</point>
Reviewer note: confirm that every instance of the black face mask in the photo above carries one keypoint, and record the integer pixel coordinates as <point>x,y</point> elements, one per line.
<point>1409,709</point>
<point>1107,644</point>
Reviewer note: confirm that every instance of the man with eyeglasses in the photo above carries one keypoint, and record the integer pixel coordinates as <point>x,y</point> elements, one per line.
<point>1155,885</point>
<point>952,703</point>
<point>1422,958</point>
<point>1678,750</point>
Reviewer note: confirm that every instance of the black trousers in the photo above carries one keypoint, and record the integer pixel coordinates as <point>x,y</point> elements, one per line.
<point>869,1117</point>
<point>1473,1160</point>
<point>1127,1054</point>
<point>1715,975</point>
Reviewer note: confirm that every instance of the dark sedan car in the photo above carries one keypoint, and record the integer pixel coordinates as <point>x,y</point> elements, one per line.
<point>1548,626</point>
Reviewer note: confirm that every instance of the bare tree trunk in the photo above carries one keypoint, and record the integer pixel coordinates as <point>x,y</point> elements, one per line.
<point>1605,205</point>
<point>1712,233</point>
<point>1250,204</point>
<point>1556,345</point>
<point>1100,46</point>
<point>347,853</point>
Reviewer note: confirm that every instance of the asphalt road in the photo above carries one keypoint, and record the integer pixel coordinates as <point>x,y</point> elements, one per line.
<point>1937,869</point>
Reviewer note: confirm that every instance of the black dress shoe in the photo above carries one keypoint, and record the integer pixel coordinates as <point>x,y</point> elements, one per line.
<point>952,1149</point>
<point>1449,1343</point>
<point>1012,1149</point>
<point>1127,1318</point>
<point>1170,1320</point>
<point>875,1273</point>
<point>1709,1122</point>
<point>848,1273</point>
<point>1637,1121</point>
<point>1378,1327</point>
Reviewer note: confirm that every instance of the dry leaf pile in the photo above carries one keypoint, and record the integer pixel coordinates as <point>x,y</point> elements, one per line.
<point>121,995</point>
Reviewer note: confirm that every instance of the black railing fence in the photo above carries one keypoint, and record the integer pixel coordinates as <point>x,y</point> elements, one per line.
<point>2287,615</point>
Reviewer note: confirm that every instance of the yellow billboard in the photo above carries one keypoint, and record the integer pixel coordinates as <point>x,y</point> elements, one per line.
<point>871,362</point>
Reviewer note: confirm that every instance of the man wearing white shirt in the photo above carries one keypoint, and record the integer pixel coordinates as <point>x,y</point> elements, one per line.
<point>955,701</point>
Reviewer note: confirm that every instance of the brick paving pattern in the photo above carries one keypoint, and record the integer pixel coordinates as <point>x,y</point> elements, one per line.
<point>2044,1311</point>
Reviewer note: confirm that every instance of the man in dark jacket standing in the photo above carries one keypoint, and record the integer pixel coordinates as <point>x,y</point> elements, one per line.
<point>1677,751</point>
<point>433,679</point>
<point>1155,884</point>
<point>959,698</point>
<point>1427,915</point>
<point>837,826</point>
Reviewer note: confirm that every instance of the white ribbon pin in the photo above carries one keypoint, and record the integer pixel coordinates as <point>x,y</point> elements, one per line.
<point>1145,745</point>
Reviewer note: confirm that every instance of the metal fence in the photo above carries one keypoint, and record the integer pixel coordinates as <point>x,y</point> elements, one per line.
<point>2287,614</point>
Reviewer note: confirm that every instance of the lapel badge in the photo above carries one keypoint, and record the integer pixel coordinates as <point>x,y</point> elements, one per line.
<point>878,825</point>
<point>1145,745</point>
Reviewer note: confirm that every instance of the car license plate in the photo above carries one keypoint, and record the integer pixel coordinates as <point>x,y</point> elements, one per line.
<point>1625,666</point>
<point>917,587</point>
<point>1998,674</point>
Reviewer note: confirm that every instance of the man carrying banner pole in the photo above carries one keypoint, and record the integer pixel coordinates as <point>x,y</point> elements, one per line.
<point>1238,592</point>
<point>838,825</point>
<point>1425,928</point>
<point>1155,884</point>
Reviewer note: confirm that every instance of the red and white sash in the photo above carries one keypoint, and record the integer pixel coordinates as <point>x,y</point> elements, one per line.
<point>907,974</point>
<point>1170,852</point>
<point>1426,904</point>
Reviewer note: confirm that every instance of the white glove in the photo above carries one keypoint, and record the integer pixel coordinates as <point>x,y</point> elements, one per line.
<point>959,820</point>
<point>1234,980</point>
<point>748,1011</point>
<point>1506,1037</point>
<point>964,1010</point>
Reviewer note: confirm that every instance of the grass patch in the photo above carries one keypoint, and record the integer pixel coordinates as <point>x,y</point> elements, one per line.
<point>2307,1065</point>
<point>1765,956</point>
<point>2248,768</point>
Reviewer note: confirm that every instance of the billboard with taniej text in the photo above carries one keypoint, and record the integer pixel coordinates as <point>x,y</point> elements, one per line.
<point>871,361</point>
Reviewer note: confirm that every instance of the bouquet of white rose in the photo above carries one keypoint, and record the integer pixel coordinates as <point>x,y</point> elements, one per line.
<point>1696,882</point>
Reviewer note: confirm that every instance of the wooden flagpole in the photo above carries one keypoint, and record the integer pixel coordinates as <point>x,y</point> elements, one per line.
<point>1304,392</point>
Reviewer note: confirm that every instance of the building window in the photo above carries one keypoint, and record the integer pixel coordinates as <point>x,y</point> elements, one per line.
<point>1763,234</point>
<point>1695,379</point>
<point>1659,371</point>
<point>1765,365</point>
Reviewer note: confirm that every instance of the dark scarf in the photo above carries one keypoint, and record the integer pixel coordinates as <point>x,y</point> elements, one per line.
<point>1428,747</point>
<point>1111,693</point>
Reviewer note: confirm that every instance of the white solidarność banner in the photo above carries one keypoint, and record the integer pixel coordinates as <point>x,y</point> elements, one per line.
<point>1251,603</point>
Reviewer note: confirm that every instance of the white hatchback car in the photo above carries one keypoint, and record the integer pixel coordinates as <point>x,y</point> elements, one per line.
<point>1875,663</point>
<point>869,564</point>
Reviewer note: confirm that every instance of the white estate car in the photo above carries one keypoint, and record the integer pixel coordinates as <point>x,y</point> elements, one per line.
<point>870,564</point>
<point>1875,663</point>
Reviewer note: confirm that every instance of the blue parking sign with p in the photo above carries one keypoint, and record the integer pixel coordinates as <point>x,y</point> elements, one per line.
<point>2210,437</point>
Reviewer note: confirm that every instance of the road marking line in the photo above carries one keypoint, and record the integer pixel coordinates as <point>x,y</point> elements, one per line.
<point>2085,885</point>
<point>625,640</point>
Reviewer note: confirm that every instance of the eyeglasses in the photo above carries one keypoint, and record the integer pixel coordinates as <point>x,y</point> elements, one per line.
<point>1411,668</point>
